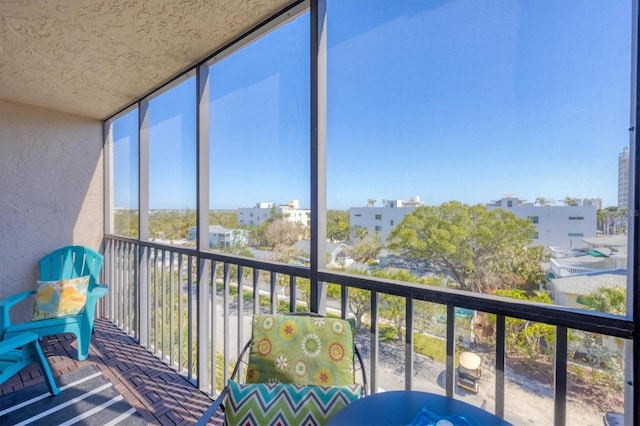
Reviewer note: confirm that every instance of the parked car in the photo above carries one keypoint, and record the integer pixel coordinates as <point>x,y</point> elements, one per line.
<point>469,371</point>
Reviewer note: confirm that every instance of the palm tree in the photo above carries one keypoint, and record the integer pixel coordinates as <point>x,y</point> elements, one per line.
<point>371,202</point>
<point>570,201</point>
<point>601,220</point>
<point>542,201</point>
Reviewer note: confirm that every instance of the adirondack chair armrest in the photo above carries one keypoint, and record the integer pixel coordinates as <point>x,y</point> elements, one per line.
<point>17,341</point>
<point>99,291</point>
<point>7,303</point>
<point>92,300</point>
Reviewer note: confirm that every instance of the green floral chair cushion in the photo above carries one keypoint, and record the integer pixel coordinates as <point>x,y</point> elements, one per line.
<point>301,350</point>
<point>267,404</point>
<point>60,298</point>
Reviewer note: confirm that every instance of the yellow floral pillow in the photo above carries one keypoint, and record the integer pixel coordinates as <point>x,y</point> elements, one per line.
<point>301,350</point>
<point>60,298</point>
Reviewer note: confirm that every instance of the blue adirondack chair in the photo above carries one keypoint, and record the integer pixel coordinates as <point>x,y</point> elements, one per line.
<point>19,351</point>
<point>64,263</point>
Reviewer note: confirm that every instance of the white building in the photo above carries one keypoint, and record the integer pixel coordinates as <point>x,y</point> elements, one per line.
<point>382,220</point>
<point>602,254</point>
<point>263,211</point>
<point>561,226</point>
<point>597,202</point>
<point>293,213</point>
<point>221,237</point>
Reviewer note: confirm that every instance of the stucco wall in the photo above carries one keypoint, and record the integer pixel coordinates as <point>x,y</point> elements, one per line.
<point>51,185</point>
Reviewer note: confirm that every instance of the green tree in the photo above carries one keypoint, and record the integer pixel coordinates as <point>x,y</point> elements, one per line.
<point>366,248</point>
<point>359,232</point>
<point>393,307</point>
<point>338,228</point>
<point>526,336</point>
<point>570,201</point>
<point>126,222</point>
<point>601,220</point>
<point>467,241</point>
<point>281,232</point>
<point>520,267</point>
<point>303,286</point>
<point>606,299</point>
<point>228,219</point>
<point>359,302</point>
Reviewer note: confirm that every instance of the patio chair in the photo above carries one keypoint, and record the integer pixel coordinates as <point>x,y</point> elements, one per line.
<point>19,351</point>
<point>66,297</point>
<point>301,369</point>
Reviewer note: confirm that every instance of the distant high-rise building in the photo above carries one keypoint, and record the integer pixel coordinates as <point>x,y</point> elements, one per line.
<point>623,179</point>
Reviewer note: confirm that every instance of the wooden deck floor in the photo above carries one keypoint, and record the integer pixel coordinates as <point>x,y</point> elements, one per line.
<point>161,395</point>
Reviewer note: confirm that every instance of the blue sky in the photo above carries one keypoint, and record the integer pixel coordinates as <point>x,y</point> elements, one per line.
<point>460,99</point>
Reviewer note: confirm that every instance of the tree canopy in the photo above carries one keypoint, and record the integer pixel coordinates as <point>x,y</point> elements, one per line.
<point>481,249</point>
<point>606,299</point>
<point>338,228</point>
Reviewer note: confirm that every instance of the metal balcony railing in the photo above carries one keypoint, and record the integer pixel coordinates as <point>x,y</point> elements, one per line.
<point>185,306</point>
<point>569,270</point>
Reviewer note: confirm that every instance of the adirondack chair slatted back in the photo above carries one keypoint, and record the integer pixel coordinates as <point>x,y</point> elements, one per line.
<point>62,264</point>
<point>72,262</point>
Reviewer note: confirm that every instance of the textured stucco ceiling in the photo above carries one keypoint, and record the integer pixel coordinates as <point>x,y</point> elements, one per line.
<point>93,57</point>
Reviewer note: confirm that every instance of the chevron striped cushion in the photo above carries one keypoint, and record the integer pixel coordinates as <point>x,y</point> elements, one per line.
<point>281,404</point>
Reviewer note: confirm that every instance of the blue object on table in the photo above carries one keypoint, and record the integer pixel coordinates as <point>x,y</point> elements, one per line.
<point>427,418</point>
<point>400,408</point>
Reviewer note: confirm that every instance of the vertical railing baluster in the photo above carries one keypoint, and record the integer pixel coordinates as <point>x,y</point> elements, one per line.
<point>126,288</point>
<point>273,293</point>
<point>344,301</point>
<point>172,285</point>
<point>180,324</point>
<point>256,290</point>
<point>560,376</point>
<point>213,299</point>
<point>451,340</point>
<point>143,285</point>
<point>156,303</point>
<point>107,274</point>
<point>375,341</point>
<point>203,332</point>
<point>119,296</point>
<point>135,282</point>
<point>240,336</point>
<point>163,305</point>
<point>193,261</point>
<point>408,344</point>
<point>225,320</point>
<point>293,302</point>
<point>126,291</point>
<point>500,361</point>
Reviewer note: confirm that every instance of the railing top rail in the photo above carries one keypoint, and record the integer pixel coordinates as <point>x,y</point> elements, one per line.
<point>281,268</point>
<point>592,321</point>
